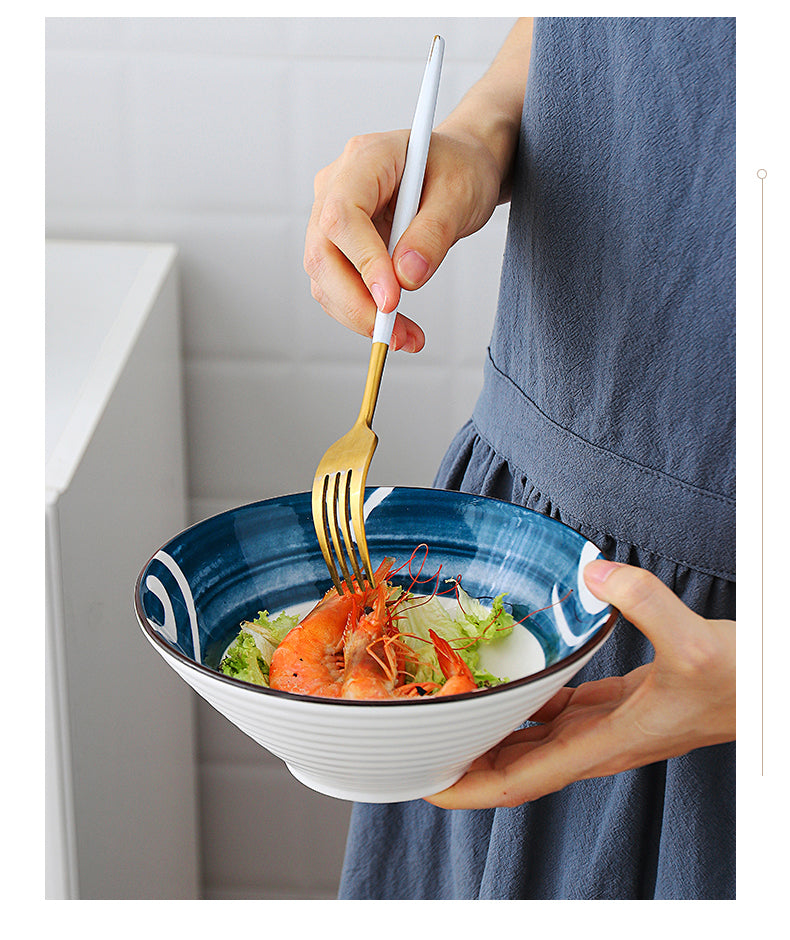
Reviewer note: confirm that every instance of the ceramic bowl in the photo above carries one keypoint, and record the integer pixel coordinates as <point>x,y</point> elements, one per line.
<point>194,592</point>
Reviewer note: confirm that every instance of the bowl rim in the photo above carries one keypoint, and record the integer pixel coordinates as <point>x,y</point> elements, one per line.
<point>597,639</point>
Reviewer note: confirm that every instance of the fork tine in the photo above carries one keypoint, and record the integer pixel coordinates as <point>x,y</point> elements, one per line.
<point>334,489</point>
<point>319,500</point>
<point>345,513</point>
<point>357,501</point>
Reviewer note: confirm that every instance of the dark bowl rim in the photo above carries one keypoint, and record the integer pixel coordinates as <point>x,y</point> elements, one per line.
<point>596,640</point>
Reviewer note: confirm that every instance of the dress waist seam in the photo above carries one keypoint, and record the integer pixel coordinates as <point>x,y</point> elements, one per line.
<point>684,523</point>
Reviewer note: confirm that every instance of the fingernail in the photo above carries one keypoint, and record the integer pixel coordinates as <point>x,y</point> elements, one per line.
<point>599,570</point>
<point>412,267</point>
<point>378,293</point>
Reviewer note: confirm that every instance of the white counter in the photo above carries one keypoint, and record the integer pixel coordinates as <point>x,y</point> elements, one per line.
<point>120,738</point>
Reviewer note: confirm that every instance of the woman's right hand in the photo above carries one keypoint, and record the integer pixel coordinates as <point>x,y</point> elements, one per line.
<point>346,256</point>
<point>468,173</point>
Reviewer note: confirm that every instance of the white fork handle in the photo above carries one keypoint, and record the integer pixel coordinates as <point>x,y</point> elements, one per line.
<point>413,172</point>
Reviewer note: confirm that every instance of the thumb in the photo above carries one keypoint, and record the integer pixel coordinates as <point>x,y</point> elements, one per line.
<point>646,602</point>
<point>422,248</point>
<point>446,214</point>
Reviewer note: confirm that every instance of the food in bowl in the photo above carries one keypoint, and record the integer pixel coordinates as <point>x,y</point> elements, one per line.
<point>375,642</point>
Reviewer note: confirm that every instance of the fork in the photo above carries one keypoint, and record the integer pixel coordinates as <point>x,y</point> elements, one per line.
<point>339,485</point>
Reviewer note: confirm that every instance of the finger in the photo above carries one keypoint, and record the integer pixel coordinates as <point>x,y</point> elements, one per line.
<point>580,739</point>
<point>646,602</point>
<point>441,221</point>
<point>438,225</point>
<point>552,708</point>
<point>513,774</point>
<point>607,692</point>
<point>353,208</point>
<point>534,732</point>
<point>352,230</point>
<point>484,785</point>
<point>407,335</point>
<point>523,769</point>
<point>336,285</point>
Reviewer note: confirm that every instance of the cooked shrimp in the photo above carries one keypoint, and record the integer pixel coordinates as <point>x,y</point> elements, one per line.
<point>458,676</point>
<point>311,659</point>
<point>366,673</point>
<point>348,647</point>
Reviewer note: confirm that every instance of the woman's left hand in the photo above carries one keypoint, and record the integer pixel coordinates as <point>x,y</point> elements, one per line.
<point>683,700</point>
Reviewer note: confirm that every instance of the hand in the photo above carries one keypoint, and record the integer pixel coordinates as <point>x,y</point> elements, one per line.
<point>468,173</point>
<point>346,254</point>
<point>682,700</point>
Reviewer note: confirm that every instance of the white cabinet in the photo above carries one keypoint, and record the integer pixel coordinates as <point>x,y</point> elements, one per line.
<point>121,805</point>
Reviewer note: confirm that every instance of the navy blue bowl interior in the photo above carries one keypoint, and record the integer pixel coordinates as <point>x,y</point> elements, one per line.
<point>192,595</point>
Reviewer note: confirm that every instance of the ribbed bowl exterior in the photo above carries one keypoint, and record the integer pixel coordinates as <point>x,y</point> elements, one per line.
<point>376,754</point>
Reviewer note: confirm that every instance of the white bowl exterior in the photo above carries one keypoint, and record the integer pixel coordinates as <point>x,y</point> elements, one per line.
<point>376,754</point>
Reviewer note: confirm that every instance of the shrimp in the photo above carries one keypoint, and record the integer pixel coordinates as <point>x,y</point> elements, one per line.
<point>349,647</point>
<point>458,676</point>
<point>312,658</point>
<point>366,675</point>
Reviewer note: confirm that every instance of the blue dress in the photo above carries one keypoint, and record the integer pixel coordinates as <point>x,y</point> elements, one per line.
<point>608,403</point>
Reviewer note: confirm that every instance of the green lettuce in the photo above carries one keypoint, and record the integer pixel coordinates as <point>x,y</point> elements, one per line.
<point>248,656</point>
<point>466,623</point>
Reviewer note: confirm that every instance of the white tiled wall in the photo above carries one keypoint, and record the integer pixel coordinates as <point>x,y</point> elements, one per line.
<point>208,132</point>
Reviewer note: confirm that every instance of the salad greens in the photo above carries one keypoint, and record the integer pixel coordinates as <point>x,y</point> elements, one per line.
<point>465,621</point>
<point>249,655</point>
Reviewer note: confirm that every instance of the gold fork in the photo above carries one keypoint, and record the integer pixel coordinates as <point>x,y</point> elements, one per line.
<point>339,484</point>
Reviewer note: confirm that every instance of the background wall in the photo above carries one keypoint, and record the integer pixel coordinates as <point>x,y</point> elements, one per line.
<point>207,133</point>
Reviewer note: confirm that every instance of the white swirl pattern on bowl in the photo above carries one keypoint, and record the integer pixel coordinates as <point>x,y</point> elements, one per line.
<point>170,620</point>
